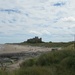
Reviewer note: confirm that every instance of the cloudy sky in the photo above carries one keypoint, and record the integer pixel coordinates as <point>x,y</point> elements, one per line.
<point>53,20</point>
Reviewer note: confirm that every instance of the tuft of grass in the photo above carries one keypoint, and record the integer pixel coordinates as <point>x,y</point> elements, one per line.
<point>28,63</point>
<point>36,70</point>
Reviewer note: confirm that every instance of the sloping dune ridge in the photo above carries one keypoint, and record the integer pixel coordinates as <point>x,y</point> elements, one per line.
<point>19,48</point>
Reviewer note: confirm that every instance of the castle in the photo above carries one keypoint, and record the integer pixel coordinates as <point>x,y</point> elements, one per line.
<point>35,40</point>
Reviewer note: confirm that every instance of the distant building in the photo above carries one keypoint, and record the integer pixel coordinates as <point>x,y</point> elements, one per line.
<point>35,40</point>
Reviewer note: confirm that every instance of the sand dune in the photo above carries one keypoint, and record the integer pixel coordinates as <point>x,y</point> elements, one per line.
<point>19,48</point>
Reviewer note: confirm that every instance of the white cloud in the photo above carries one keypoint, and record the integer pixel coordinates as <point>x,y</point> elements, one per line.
<point>34,32</point>
<point>68,19</point>
<point>40,32</point>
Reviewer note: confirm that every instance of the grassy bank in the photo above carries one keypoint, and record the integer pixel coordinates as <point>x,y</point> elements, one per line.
<point>52,63</point>
<point>48,44</point>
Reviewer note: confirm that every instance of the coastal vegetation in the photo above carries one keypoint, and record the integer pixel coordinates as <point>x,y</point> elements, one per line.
<point>55,62</point>
<point>60,62</point>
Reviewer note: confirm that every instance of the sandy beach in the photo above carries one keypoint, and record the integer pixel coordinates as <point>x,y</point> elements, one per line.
<point>30,50</point>
<point>19,48</point>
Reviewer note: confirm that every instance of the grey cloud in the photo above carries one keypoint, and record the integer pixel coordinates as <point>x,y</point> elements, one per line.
<point>59,4</point>
<point>10,10</point>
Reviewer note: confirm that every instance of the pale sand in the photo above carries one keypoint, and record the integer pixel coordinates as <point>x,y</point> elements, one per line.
<point>19,48</point>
